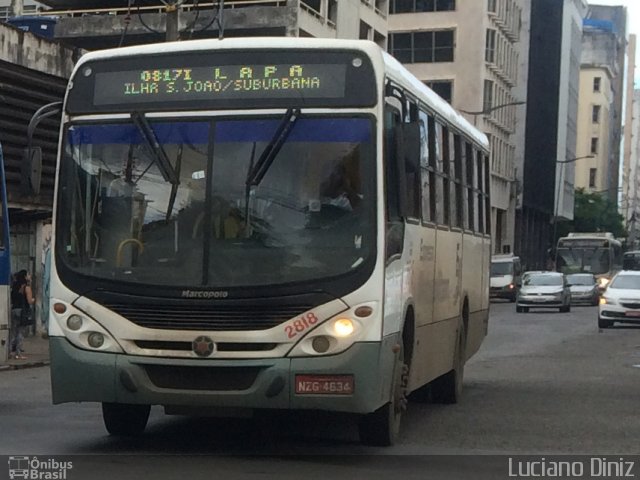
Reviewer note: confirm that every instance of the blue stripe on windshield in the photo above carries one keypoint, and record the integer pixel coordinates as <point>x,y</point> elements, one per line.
<point>349,130</point>
<point>305,130</point>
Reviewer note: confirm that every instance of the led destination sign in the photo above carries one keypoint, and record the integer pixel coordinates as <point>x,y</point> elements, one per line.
<point>226,82</point>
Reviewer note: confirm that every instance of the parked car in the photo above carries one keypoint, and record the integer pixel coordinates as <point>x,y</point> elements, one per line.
<point>584,288</point>
<point>620,302</point>
<point>505,277</point>
<point>543,290</point>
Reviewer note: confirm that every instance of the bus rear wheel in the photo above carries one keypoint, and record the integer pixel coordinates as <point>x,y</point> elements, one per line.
<point>448,387</point>
<point>382,427</point>
<point>125,420</point>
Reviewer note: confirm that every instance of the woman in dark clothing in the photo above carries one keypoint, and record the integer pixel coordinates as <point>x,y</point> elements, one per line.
<point>21,297</point>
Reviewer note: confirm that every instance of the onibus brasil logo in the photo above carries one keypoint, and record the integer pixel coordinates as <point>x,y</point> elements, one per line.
<point>33,468</point>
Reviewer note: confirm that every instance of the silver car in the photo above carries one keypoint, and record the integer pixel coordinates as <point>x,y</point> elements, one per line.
<point>543,290</point>
<point>584,288</point>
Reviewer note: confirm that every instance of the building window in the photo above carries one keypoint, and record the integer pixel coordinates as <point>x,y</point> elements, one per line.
<point>444,88</point>
<point>592,177</point>
<point>594,145</point>
<point>596,84</point>
<point>422,47</point>
<point>487,99</point>
<point>595,114</point>
<point>490,49</point>
<point>5,12</point>
<point>411,6</point>
<point>491,6</point>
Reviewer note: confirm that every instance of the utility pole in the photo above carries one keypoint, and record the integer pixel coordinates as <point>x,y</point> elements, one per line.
<point>17,8</point>
<point>172,21</point>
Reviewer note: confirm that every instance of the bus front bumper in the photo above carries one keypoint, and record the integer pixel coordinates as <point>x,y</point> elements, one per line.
<point>82,376</point>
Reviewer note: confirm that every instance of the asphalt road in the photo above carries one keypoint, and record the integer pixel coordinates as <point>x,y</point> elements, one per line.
<point>543,383</point>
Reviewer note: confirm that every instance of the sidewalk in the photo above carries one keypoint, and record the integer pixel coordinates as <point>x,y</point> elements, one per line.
<point>36,349</point>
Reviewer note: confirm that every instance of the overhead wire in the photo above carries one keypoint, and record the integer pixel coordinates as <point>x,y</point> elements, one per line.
<point>195,19</point>
<point>144,24</point>
<point>127,22</point>
<point>214,18</point>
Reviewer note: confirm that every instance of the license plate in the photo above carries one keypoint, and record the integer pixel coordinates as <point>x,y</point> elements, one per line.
<point>324,385</point>
<point>633,314</point>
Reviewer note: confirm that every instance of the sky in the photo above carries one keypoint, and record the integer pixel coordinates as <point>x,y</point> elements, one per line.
<point>633,25</point>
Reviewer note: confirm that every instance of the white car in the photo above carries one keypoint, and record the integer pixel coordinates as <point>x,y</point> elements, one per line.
<point>620,302</point>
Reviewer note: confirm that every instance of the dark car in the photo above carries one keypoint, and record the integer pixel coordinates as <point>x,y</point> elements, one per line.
<point>584,288</point>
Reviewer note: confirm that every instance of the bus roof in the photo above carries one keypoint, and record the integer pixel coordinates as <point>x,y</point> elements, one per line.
<point>399,73</point>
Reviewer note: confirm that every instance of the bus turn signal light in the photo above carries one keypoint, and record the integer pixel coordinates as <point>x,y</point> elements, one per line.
<point>59,308</point>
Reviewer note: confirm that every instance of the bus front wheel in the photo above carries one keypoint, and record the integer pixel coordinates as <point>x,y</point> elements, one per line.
<point>382,427</point>
<point>123,419</point>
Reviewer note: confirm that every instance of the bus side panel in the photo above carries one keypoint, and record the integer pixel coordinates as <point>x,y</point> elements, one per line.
<point>475,272</point>
<point>447,293</point>
<point>420,249</point>
<point>438,316</point>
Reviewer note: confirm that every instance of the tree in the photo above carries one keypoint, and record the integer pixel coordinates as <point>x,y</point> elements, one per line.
<point>593,213</point>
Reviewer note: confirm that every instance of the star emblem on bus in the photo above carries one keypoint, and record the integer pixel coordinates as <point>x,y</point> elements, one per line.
<point>202,346</point>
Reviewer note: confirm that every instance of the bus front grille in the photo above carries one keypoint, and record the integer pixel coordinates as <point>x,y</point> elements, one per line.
<point>202,378</point>
<point>218,318</point>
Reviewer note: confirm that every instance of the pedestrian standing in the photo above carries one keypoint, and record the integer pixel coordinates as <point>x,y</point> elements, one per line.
<point>22,300</point>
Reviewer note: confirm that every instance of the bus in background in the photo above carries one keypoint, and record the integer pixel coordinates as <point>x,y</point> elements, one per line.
<point>631,260</point>
<point>5,268</point>
<point>265,223</point>
<point>598,253</point>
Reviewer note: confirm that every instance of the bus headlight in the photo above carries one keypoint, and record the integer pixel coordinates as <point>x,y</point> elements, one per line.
<point>84,332</point>
<point>330,337</point>
<point>74,322</point>
<point>95,340</point>
<point>343,327</point>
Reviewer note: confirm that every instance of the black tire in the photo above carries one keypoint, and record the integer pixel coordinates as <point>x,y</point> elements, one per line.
<point>448,387</point>
<point>604,323</point>
<point>125,420</point>
<point>382,427</point>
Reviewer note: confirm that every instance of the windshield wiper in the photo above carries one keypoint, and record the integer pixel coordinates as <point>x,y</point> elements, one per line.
<point>270,152</point>
<point>257,171</point>
<point>160,156</point>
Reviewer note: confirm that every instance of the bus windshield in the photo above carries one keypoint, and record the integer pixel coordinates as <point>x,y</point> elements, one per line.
<point>596,260</point>
<point>171,202</point>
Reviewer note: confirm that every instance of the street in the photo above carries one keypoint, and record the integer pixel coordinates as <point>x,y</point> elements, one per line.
<point>543,383</point>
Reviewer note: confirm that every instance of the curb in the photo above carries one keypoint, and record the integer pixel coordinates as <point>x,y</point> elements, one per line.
<point>6,368</point>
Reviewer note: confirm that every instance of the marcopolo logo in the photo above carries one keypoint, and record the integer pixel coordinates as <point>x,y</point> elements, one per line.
<point>204,294</point>
<point>33,468</point>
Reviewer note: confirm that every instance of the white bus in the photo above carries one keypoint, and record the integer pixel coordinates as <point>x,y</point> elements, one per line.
<point>595,252</point>
<point>265,223</point>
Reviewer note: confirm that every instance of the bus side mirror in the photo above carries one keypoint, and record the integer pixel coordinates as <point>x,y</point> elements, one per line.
<point>31,170</point>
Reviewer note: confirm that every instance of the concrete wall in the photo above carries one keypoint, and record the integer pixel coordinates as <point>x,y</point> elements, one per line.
<point>29,51</point>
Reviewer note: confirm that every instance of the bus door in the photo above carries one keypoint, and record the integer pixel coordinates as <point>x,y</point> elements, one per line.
<point>5,267</point>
